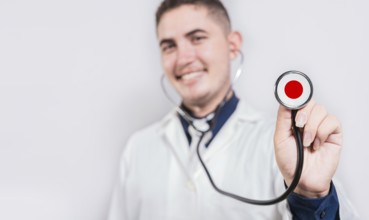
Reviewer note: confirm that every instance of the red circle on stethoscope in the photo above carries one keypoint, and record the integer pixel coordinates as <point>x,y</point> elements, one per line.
<point>293,89</point>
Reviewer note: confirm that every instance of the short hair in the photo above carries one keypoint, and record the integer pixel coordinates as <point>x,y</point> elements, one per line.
<point>214,7</point>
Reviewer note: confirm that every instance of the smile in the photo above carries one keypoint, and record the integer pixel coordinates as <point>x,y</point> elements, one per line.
<point>191,75</point>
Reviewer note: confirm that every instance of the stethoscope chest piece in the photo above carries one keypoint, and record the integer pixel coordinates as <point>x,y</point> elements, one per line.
<point>293,89</point>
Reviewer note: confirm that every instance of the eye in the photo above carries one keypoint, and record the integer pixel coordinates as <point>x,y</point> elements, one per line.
<point>167,47</point>
<point>198,39</point>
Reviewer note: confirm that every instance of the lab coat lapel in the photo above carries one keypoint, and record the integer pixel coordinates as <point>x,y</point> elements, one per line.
<point>223,141</point>
<point>176,140</point>
<point>175,137</point>
<point>220,143</point>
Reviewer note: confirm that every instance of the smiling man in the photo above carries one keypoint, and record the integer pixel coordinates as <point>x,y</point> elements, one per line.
<point>196,54</point>
<point>160,175</point>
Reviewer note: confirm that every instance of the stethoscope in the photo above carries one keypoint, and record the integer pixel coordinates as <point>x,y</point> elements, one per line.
<point>293,89</point>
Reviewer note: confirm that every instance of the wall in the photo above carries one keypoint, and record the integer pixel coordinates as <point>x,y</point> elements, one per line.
<point>77,78</point>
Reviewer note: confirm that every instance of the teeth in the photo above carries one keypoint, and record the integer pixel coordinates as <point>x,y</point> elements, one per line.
<point>191,75</point>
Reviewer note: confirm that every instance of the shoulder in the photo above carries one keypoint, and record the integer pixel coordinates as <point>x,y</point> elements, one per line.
<point>147,145</point>
<point>150,134</point>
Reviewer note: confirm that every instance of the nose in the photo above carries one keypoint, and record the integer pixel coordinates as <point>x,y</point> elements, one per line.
<point>185,54</point>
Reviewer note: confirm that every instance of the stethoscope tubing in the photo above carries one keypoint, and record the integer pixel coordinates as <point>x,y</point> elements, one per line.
<point>283,196</point>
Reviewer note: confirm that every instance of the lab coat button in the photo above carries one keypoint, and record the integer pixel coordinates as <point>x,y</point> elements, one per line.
<point>191,186</point>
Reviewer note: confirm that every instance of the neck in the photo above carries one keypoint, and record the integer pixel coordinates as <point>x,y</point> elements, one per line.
<point>202,110</point>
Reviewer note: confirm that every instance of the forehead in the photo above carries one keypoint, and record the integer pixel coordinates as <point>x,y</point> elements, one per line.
<point>184,19</point>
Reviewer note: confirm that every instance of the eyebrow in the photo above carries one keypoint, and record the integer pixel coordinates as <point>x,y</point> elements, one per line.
<point>195,32</point>
<point>169,40</point>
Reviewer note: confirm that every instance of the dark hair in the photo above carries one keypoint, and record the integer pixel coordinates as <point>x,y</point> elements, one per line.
<point>215,8</point>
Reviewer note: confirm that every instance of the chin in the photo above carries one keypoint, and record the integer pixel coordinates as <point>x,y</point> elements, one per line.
<point>197,99</point>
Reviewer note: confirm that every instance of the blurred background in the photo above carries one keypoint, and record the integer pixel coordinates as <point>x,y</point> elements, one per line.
<point>78,77</point>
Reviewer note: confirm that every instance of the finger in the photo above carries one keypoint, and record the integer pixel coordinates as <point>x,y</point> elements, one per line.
<point>317,115</point>
<point>329,127</point>
<point>284,122</point>
<point>283,119</point>
<point>303,114</point>
<point>283,129</point>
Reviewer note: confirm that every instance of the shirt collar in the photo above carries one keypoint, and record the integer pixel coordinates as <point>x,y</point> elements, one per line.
<point>225,112</point>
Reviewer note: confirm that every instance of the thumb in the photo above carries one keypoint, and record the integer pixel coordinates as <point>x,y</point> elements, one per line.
<point>284,124</point>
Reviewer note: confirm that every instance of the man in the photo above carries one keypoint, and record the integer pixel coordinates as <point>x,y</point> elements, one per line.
<point>160,176</point>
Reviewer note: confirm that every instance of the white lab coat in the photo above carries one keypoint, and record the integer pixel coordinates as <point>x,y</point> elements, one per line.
<point>161,179</point>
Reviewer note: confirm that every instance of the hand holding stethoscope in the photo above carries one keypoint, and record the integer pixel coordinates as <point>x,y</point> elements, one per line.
<point>313,125</point>
<point>322,138</point>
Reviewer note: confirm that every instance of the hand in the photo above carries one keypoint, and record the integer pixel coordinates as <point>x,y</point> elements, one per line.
<point>322,138</point>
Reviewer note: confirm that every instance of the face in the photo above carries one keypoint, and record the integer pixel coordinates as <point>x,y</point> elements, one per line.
<point>196,51</point>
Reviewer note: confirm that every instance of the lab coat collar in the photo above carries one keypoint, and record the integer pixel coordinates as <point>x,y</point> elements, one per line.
<point>224,112</point>
<point>243,112</point>
<point>172,131</point>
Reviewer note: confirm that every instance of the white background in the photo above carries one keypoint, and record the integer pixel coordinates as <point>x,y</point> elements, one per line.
<point>77,77</point>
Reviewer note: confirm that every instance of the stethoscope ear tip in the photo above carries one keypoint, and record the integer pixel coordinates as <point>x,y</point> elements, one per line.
<point>293,89</point>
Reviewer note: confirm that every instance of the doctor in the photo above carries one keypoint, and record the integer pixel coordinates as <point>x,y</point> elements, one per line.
<point>160,175</point>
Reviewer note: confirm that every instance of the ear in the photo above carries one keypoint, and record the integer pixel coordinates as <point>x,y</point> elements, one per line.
<point>235,43</point>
